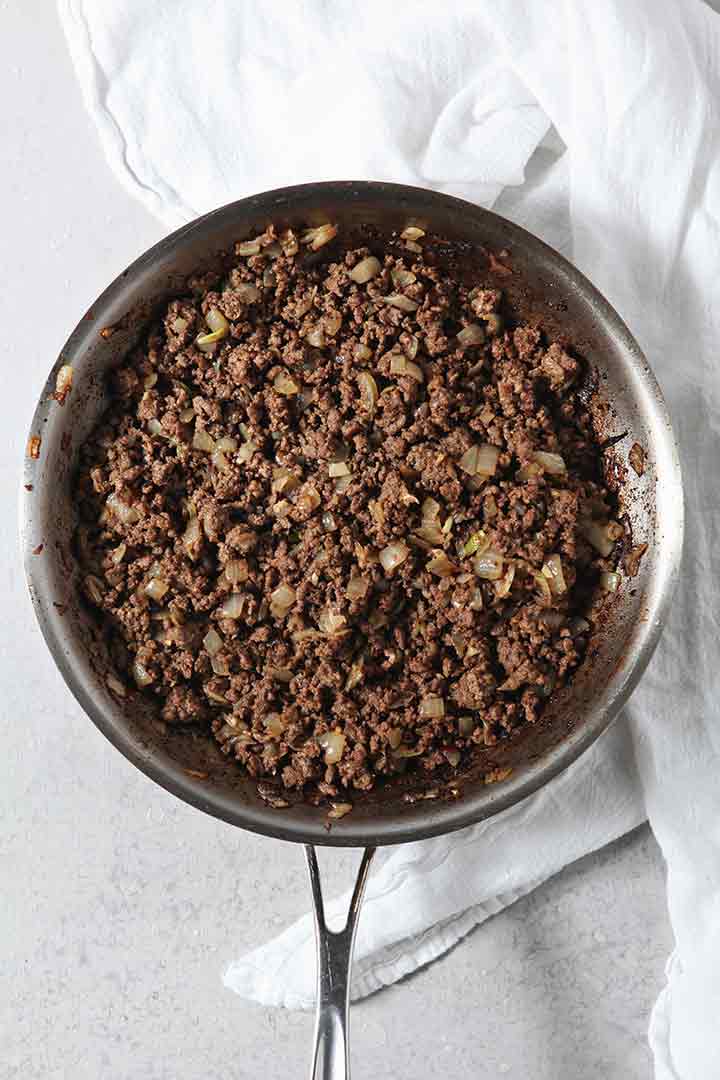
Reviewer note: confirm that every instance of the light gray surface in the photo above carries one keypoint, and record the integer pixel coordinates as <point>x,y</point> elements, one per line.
<point>121,906</point>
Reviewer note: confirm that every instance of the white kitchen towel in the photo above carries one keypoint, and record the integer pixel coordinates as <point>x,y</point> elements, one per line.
<point>595,124</point>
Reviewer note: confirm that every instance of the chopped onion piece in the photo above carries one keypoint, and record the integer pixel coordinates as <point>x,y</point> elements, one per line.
<point>596,533</point>
<point>114,684</point>
<point>328,520</point>
<point>309,498</point>
<point>274,723</point>
<point>118,554</point>
<point>471,335</point>
<point>412,233</point>
<point>553,571</point>
<point>156,588</point>
<point>402,303</point>
<point>365,270</point>
<point>339,810</point>
<point>128,515</point>
<point>476,602</point>
<point>552,463</point>
<point>368,390</point>
<point>393,555</point>
<point>502,587</point>
<point>488,565</point>
<point>440,565</point>
<point>609,581</point>
<point>219,665</point>
<point>154,427</point>
<point>320,236</point>
<point>269,278</point>
<point>192,537</point>
<point>466,725</point>
<point>232,607</point>
<point>410,345</point>
<point>316,337</point>
<point>412,246</point>
<point>187,415</point>
<point>400,365</point>
<point>395,737</point>
<point>543,587</point>
<point>285,385</point>
<point>283,480</point>
<point>330,622</point>
<point>246,452</point>
<point>203,441</point>
<point>401,278</point>
<point>236,570</point>
<point>432,707</point>
<point>342,484</point>
<point>339,468</point>
<point>453,757</point>
<point>140,673</point>
<point>248,247</point>
<point>431,533</point>
<point>333,743</point>
<point>227,444</point>
<point>357,588</point>
<point>93,587</point>
<point>476,544</point>
<point>362,352</point>
<point>494,323</point>
<point>332,323</point>
<point>281,600</point>
<point>430,509</point>
<point>213,642</point>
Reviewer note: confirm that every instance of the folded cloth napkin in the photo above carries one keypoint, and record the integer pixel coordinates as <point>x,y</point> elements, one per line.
<point>595,124</point>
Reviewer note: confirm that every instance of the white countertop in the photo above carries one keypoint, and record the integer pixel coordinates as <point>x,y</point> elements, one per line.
<point>121,906</point>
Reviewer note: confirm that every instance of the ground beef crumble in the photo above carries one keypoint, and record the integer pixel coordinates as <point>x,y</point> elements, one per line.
<point>346,512</point>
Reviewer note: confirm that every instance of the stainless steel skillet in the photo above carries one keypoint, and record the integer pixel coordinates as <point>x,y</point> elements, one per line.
<point>630,410</point>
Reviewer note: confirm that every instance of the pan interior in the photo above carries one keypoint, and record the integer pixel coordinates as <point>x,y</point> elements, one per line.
<point>542,287</point>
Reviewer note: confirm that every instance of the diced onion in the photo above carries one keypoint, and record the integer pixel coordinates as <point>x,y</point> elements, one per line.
<point>333,743</point>
<point>476,544</point>
<point>476,601</point>
<point>309,498</point>
<point>342,484</point>
<point>488,565</point>
<point>412,233</point>
<point>357,588</point>
<point>227,444</point>
<point>281,600</point>
<point>232,607</point>
<point>440,565</point>
<point>219,665</point>
<point>432,707</point>
<point>114,684</point>
<point>362,352</point>
<point>400,365</point>
<point>246,452</point>
<point>213,642</point>
<point>395,737</point>
<point>401,278</point>
<point>118,554</point>
<point>339,468</point>
<point>154,427</point>
<point>93,588</point>
<point>320,236</point>
<point>393,555</point>
<point>368,390</point>
<point>285,385</point>
<point>203,441</point>
<point>236,570</point>
<point>402,303</point>
<point>503,586</point>
<point>187,415</point>
<point>332,323</point>
<point>328,521</point>
<point>431,533</point>
<point>552,463</point>
<point>140,673</point>
<point>156,588</point>
<point>331,622</point>
<point>192,537</point>
<point>471,335</point>
<point>248,247</point>
<point>283,480</point>
<point>609,581</point>
<point>453,757</point>
<point>410,345</point>
<point>466,725</point>
<point>365,270</point>
<point>274,723</point>
<point>316,337</point>
<point>543,587</point>
<point>430,509</point>
<point>596,533</point>
<point>339,810</point>
<point>128,515</point>
<point>480,460</point>
<point>553,571</point>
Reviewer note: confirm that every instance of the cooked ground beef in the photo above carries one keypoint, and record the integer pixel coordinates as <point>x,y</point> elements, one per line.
<point>346,511</point>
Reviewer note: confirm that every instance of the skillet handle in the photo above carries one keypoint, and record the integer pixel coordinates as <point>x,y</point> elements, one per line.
<point>334,962</point>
